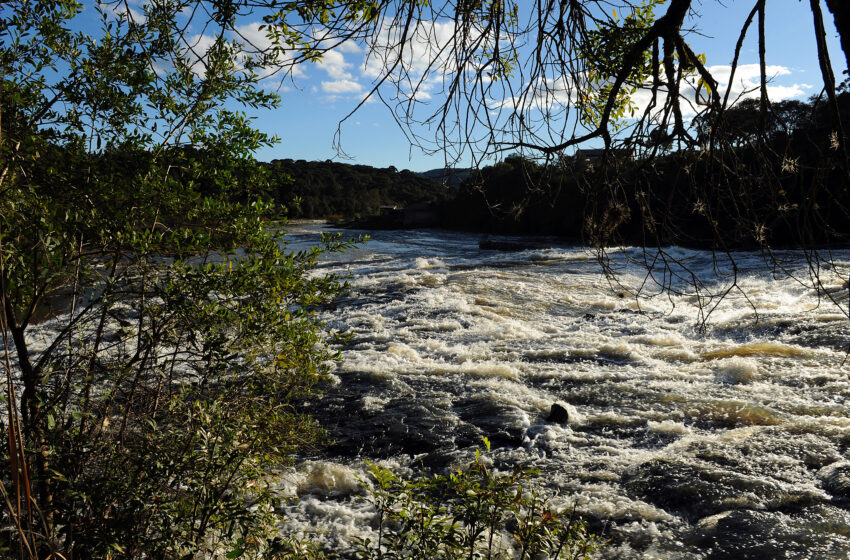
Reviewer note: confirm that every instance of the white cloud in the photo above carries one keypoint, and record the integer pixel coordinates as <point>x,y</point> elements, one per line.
<point>425,48</point>
<point>348,47</point>
<point>778,93</point>
<point>341,86</point>
<point>256,38</point>
<point>748,77</point>
<point>197,48</point>
<point>255,41</point>
<point>746,73</point>
<point>745,84</point>
<point>333,62</point>
<point>423,64</point>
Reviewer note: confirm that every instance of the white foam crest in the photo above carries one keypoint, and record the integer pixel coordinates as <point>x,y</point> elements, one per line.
<point>403,351</point>
<point>426,264</point>
<point>331,523</point>
<point>323,477</point>
<point>606,502</point>
<point>489,368</point>
<point>669,427</point>
<point>674,354</point>
<point>736,370</point>
<point>662,339</point>
<point>373,403</point>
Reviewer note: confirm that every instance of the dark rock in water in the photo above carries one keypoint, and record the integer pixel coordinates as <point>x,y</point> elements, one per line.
<point>558,414</point>
<point>814,532</point>
<point>836,479</point>
<point>499,422</point>
<point>699,489</point>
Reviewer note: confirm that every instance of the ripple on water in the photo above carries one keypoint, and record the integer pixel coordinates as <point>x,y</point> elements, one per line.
<point>725,443</point>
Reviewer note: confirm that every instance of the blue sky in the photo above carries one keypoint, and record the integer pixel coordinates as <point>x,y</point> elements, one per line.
<point>322,94</point>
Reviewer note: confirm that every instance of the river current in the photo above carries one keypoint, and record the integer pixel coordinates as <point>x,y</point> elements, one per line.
<point>722,439</point>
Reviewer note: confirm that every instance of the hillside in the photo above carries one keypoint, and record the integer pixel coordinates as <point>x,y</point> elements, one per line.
<point>450,177</point>
<point>328,188</point>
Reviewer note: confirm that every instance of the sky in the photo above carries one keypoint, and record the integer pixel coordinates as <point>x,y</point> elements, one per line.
<point>322,94</point>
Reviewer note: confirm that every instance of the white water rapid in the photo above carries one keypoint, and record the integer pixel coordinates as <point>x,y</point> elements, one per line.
<point>730,442</point>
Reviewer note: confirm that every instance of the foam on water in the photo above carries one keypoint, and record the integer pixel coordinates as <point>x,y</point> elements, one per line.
<point>685,440</point>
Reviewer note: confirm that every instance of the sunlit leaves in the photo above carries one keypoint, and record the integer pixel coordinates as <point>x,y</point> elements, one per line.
<point>128,195</point>
<point>603,52</point>
<point>468,513</point>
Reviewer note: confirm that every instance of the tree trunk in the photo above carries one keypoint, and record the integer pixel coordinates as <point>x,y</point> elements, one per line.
<point>840,10</point>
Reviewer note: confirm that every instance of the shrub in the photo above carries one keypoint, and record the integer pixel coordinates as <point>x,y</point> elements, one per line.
<point>471,513</point>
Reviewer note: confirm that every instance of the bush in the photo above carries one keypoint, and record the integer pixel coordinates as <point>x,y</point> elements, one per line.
<point>471,513</point>
<point>144,417</point>
<point>165,399</point>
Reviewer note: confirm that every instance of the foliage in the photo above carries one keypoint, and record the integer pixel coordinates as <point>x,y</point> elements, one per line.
<point>603,49</point>
<point>471,513</point>
<point>177,332</point>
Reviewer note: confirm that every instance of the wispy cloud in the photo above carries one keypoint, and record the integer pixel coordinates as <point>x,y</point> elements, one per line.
<point>341,86</point>
<point>748,77</point>
<point>255,41</point>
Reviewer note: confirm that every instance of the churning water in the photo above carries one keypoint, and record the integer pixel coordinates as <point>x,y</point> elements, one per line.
<point>724,442</point>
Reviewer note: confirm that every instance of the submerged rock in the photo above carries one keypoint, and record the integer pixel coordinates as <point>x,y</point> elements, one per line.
<point>501,423</point>
<point>836,479</point>
<point>696,490</point>
<point>558,414</point>
<point>814,532</point>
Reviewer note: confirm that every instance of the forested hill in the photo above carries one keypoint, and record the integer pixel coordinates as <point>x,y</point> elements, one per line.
<point>449,176</point>
<point>328,189</point>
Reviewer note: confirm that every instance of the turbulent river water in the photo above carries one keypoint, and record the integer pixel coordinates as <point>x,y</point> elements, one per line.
<point>727,441</point>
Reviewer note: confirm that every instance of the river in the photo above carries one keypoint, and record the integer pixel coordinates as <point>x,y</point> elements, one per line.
<point>723,439</point>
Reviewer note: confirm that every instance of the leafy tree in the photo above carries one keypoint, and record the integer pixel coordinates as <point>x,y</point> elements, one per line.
<point>144,418</point>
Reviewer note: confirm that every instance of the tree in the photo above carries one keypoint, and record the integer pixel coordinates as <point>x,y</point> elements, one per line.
<point>144,417</point>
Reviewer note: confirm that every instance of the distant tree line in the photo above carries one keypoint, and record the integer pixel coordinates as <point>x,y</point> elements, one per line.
<point>316,189</point>
<point>679,197</point>
<point>676,198</point>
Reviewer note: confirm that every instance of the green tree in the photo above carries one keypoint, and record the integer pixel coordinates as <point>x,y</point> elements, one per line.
<point>143,420</point>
